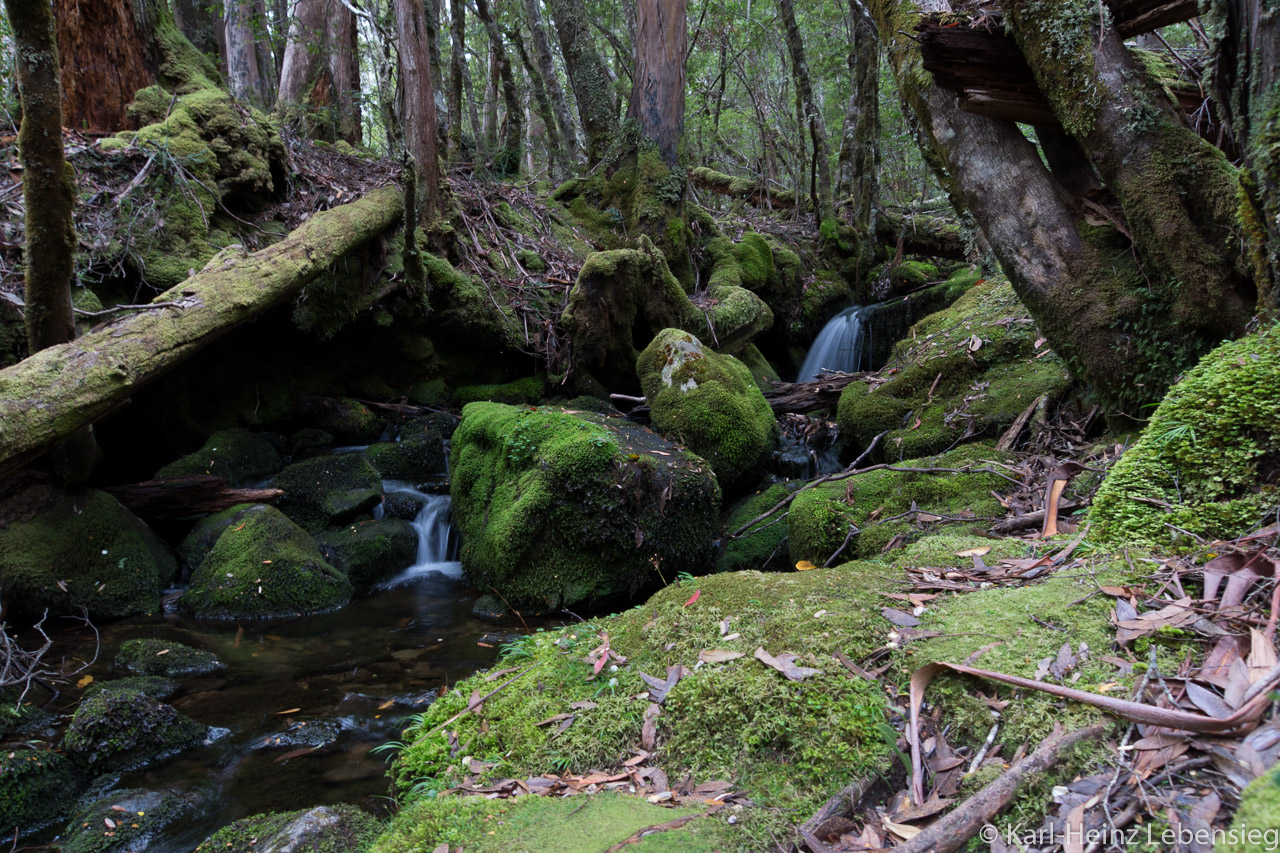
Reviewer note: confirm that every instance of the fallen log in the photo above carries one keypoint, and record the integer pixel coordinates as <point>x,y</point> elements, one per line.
<point>801,397</point>
<point>60,389</point>
<point>921,234</point>
<point>757,193</point>
<point>154,500</point>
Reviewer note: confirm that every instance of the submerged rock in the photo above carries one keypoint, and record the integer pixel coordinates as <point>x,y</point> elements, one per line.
<point>709,403</point>
<point>371,551</point>
<point>263,566</point>
<point>66,548</point>
<point>237,455</point>
<point>340,828</point>
<point>163,658</point>
<point>328,490</point>
<point>126,820</point>
<point>348,421</point>
<point>120,730</point>
<point>37,788</point>
<point>557,508</point>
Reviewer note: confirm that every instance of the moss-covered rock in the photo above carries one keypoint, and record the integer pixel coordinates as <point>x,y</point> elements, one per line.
<point>22,716</point>
<point>150,656</point>
<point>135,816</point>
<point>37,788</point>
<point>328,490</point>
<point>1256,825</point>
<point>348,421</point>
<point>463,305</point>
<point>733,310</point>
<point>263,566</point>
<point>118,730</point>
<point>66,548</point>
<point>764,547</point>
<point>820,519</point>
<point>237,455</point>
<point>963,374</point>
<point>340,828</point>
<point>1209,460</point>
<point>547,825</point>
<point>710,403</point>
<point>761,370</point>
<point>557,508</point>
<point>528,390</point>
<point>894,279</point>
<point>150,685</point>
<point>370,551</point>
<point>417,455</point>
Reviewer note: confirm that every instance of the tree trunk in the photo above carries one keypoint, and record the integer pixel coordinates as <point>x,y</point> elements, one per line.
<point>547,67</point>
<point>437,74</point>
<point>817,127</point>
<point>592,88</point>
<point>657,92</point>
<point>304,52</point>
<point>857,177</point>
<point>507,159</point>
<point>457,65</point>
<point>344,72</point>
<point>250,65</point>
<point>202,24</point>
<point>555,150</point>
<point>320,72</point>
<point>64,388</point>
<point>491,84</point>
<point>105,60</point>
<point>419,115</point>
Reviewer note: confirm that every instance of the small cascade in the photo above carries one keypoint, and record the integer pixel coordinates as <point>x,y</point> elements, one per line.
<point>436,546</point>
<point>842,345</point>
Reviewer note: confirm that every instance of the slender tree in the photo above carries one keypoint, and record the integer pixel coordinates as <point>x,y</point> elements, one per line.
<point>419,110</point>
<point>251,70</point>
<point>545,112</point>
<point>858,164</point>
<point>812,116</point>
<point>592,85</point>
<point>657,93</point>
<point>507,159</point>
<point>457,65</point>
<point>547,68</point>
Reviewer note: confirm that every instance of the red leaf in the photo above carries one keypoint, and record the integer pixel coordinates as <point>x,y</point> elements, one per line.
<point>693,598</point>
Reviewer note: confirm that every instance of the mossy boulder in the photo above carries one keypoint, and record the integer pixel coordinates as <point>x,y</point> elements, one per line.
<point>416,456</point>
<point>238,456</point>
<point>823,295</point>
<point>328,490</point>
<point>534,824</point>
<point>709,403</point>
<point>962,374</point>
<point>263,566</point>
<point>339,828</point>
<point>556,508</point>
<point>150,656</point>
<point>788,745</point>
<point>67,548</point>
<point>889,280</point>
<point>135,816</point>
<point>119,730</point>
<point>151,685</point>
<point>21,715</point>
<point>370,551</point>
<point>528,390</point>
<point>37,788</point>
<point>820,518</point>
<point>1209,460</point>
<point>1256,824</point>
<point>463,306</point>
<point>733,310</point>
<point>764,547</point>
<point>348,421</point>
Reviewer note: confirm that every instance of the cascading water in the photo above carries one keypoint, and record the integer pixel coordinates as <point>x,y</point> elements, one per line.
<point>435,544</point>
<point>842,345</point>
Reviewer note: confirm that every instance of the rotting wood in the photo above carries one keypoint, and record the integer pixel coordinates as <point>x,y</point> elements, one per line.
<point>60,389</point>
<point>758,193</point>
<point>181,496</point>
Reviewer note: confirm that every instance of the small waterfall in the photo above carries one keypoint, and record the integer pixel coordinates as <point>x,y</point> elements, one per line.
<point>436,547</point>
<point>841,345</point>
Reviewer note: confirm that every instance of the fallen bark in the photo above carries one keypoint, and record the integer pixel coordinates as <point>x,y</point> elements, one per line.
<point>164,499</point>
<point>60,389</point>
<point>757,193</point>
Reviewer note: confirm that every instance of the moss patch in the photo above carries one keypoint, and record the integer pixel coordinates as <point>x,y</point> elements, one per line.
<point>118,730</point>
<point>764,547</point>
<point>150,656</point>
<point>527,390</point>
<point>371,551</point>
<point>417,455</point>
<point>1256,825</point>
<point>237,455</point>
<point>136,814</point>
<point>340,828</point>
<point>328,490</point>
<point>37,788</point>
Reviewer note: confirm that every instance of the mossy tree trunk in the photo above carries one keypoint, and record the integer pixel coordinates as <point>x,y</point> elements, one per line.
<point>657,91</point>
<point>419,108</point>
<point>251,67</point>
<point>64,388</point>
<point>547,69</point>
<point>858,164</point>
<point>1131,303</point>
<point>826,211</point>
<point>592,87</point>
<point>507,159</point>
<point>542,102</point>
<point>457,66</point>
<point>320,71</point>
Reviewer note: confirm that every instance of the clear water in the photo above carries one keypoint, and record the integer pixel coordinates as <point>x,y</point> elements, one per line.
<point>842,345</point>
<point>437,546</point>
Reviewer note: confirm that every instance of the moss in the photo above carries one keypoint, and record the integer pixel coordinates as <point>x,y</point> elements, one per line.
<point>68,548</point>
<point>348,421</point>
<point>149,656</point>
<point>761,370</point>
<point>584,824</point>
<point>734,314</point>
<point>755,258</point>
<point>135,817</point>
<point>531,261</point>
<point>710,403</point>
<point>1256,825</point>
<point>764,547</point>
<point>119,730</point>
<point>20,716</point>
<point>371,551</point>
<point>820,518</point>
<point>463,304</point>
<point>417,455</point>
<point>263,566</point>
<point>37,788</point>
<point>527,390</point>
<point>904,276</point>
<point>557,508</point>
<point>342,828</point>
<point>822,297</point>
<point>328,490</point>
<point>237,455</point>
<point>149,685</point>
<point>1209,460</point>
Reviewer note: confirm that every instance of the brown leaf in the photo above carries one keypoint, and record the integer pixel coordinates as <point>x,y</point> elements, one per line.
<point>1217,664</point>
<point>1208,701</point>
<point>785,664</point>
<point>900,617</point>
<point>658,690</point>
<point>719,655</point>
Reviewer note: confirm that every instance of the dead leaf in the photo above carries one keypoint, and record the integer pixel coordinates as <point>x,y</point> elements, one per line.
<point>804,566</point>
<point>718,655</point>
<point>288,711</point>
<point>85,681</point>
<point>785,664</point>
<point>693,597</point>
<point>658,690</point>
<point>900,617</point>
<point>901,830</point>
<point>975,552</point>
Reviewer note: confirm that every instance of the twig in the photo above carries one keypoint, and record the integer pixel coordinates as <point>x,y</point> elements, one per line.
<point>634,838</point>
<point>471,706</point>
<point>116,309</point>
<point>509,607</point>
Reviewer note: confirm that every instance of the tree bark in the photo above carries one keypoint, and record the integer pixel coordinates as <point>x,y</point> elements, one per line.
<point>105,60</point>
<point>344,72</point>
<point>320,72</point>
<point>592,87</point>
<point>457,65</point>
<point>858,164</point>
<point>419,116</point>
<point>555,149</point>
<point>546,65</point>
<point>507,159</point>
<point>250,64</point>
<point>63,388</point>
<point>304,51</point>
<point>202,24</point>
<point>657,91</point>
<point>813,117</point>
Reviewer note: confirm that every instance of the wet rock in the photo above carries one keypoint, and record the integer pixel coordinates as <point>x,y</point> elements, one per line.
<point>163,658</point>
<point>371,551</point>
<point>401,505</point>
<point>237,455</point>
<point>119,730</point>
<point>324,829</point>
<point>348,421</point>
<point>312,733</point>
<point>309,441</point>
<point>328,490</point>
<point>263,566</point>
<point>153,686</point>
<point>416,455</point>
<point>126,821</point>
<point>37,788</point>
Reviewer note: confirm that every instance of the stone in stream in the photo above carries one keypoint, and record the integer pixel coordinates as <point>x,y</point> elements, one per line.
<point>237,455</point>
<point>328,490</point>
<point>119,730</point>
<point>417,455</point>
<point>126,820</point>
<point>151,656</point>
<point>401,505</point>
<point>37,788</point>
<point>335,828</point>
<point>370,551</point>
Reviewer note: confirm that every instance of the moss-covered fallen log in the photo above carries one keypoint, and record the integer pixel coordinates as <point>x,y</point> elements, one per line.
<point>758,193</point>
<point>62,388</point>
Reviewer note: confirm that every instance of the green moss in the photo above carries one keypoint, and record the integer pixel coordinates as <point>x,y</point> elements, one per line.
<point>263,566</point>
<point>821,298</point>
<point>71,548</point>
<point>761,370</point>
<point>135,817</point>
<point>531,261</point>
<point>119,730</point>
<point>149,685</point>
<point>584,824</point>
<point>37,787</point>
<point>328,490</point>
<point>820,518</point>
<point>371,551</point>
<point>237,455</point>
<point>344,829</point>
<point>348,421</point>
<point>1256,825</point>
<point>465,305</point>
<point>527,390</point>
<point>710,403</point>
<point>1208,461</point>
<point>557,508</point>
<point>418,454</point>
<point>764,547</point>
<point>151,656</point>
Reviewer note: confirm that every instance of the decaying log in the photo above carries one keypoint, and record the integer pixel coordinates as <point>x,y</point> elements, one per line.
<point>182,496</point>
<point>921,234</point>
<point>801,397</point>
<point>62,388</point>
<point>757,193</point>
